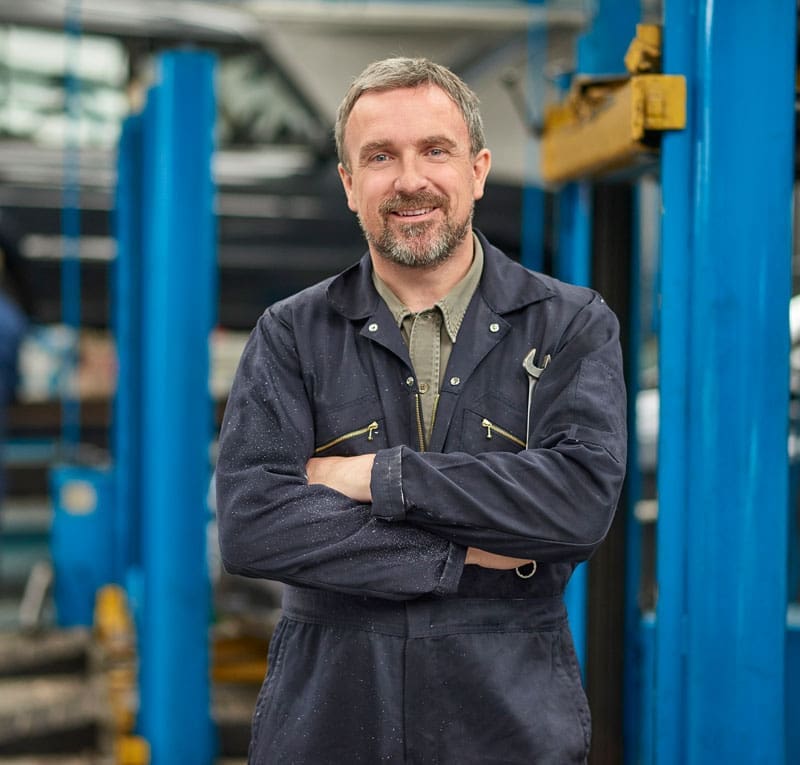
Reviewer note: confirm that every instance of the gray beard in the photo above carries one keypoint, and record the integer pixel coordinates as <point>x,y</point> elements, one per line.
<point>403,250</point>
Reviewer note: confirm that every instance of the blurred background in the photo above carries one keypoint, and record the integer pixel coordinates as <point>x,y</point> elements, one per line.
<point>167,171</point>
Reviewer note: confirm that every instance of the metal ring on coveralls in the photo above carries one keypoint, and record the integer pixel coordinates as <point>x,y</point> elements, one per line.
<point>532,564</point>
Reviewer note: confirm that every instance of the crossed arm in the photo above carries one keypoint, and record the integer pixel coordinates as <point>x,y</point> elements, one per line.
<point>315,523</point>
<point>351,476</point>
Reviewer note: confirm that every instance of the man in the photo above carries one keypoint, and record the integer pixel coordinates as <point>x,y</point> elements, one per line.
<point>425,499</point>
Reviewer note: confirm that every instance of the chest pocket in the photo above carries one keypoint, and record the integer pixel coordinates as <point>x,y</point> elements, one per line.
<point>491,425</point>
<point>352,429</point>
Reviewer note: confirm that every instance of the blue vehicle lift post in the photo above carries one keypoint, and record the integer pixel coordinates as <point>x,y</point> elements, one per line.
<point>600,51</point>
<point>727,243</point>
<point>127,296</point>
<point>178,313</point>
<point>573,263</point>
<point>532,235</point>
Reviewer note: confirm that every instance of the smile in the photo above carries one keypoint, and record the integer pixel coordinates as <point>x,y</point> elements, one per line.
<point>414,213</point>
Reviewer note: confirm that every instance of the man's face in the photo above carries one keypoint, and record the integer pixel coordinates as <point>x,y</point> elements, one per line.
<point>412,180</point>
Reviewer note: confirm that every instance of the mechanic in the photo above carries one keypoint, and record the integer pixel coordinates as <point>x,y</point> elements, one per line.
<point>421,449</point>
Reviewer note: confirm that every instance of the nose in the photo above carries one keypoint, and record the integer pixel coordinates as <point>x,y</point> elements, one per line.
<point>410,176</point>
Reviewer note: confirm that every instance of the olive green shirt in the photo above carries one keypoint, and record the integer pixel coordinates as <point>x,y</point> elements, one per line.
<point>429,347</point>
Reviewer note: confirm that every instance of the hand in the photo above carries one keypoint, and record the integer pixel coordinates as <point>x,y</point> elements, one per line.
<point>478,557</point>
<point>347,475</point>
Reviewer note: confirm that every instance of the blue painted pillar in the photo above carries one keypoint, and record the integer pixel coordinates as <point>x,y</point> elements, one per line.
<point>573,263</point>
<point>635,644</point>
<point>533,201</point>
<point>600,51</point>
<point>677,167</point>
<point>533,197</point>
<point>574,258</point>
<point>723,478</point>
<point>127,295</point>
<point>71,226</point>
<point>179,308</point>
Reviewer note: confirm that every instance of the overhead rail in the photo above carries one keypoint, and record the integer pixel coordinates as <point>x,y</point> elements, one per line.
<point>608,124</point>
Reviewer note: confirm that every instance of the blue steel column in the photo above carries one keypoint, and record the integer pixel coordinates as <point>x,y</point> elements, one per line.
<point>533,196</point>
<point>669,673</point>
<point>731,413</point>
<point>600,51</point>
<point>179,298</point>
<point>71,227</point>
<point>634,647</point>
<point>573,264</point>
<point>127,282</point>
<point>739,372</point>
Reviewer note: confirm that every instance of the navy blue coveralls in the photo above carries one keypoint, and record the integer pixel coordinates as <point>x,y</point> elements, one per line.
<point>390,649</point>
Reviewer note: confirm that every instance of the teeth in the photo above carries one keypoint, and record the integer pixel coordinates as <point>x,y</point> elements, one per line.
<point>410,213</point>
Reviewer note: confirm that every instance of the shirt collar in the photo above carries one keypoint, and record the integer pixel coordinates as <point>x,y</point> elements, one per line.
<point>504,286</point>
<point>453,305</point>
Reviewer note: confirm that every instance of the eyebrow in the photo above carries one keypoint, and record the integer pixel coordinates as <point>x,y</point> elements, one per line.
<point>385,144</point>
<point>439,140</point>
<point>370,148</point>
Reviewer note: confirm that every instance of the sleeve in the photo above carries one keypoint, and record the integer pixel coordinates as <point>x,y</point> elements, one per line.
<point>552,501</point>
<point>273,525</point>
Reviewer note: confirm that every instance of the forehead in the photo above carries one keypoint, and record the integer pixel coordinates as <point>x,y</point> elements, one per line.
<point>404,114</point>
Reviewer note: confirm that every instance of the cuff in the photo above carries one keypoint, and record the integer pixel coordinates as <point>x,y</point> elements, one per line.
<point>386,485</point>
<point>453,568</point>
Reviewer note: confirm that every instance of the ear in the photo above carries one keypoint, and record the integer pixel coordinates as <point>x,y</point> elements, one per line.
<point>347,182</point>
<point>481,165</point>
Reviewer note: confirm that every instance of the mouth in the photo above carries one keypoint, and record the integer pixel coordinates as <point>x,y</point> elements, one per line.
<point>413,214</point>
<point>413,208</point>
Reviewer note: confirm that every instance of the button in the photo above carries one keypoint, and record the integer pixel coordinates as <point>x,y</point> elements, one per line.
<point>423,387</point>
<point>455,380</point>
<point>409,381</point>
<point>494,327</point>
<point>373,327</point>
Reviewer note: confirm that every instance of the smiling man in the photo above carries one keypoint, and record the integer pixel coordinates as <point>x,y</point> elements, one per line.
<point>422,448</point>
<point>413,183</point>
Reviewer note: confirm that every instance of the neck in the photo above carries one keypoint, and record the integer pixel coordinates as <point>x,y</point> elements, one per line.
<point>420,288</point>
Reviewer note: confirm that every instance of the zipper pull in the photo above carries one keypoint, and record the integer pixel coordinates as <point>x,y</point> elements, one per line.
<point>372,429</point>
<point>488,425</point>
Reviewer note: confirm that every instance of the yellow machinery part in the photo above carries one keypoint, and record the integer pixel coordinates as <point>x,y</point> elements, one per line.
<point>613,135</point>
<point>116,641</point>
<point>131,750</point>
<point>605,124</point>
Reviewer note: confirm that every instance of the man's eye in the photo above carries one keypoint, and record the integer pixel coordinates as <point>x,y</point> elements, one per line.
<point>379,158</point>
<point>437,152</point>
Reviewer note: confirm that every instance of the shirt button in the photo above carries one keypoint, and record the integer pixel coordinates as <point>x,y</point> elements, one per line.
<point>409,381</point>
<point>373,327</point>
<point>494,327</point>
<point>455,380</point>
<point>423,387</point>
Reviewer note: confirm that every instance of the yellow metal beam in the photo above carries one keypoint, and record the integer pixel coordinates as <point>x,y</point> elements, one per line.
<point>606,124</point>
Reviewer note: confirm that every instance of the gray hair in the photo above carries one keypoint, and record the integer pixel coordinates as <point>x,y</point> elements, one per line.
<point>396,73</point>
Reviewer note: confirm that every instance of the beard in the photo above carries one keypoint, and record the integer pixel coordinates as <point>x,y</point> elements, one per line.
<point>417,245</point>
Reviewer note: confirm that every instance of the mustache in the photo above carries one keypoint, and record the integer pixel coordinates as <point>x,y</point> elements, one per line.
<point>404,202</point>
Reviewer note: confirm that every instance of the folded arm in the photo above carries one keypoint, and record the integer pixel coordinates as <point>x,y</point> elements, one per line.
<point>274,525</point>
<point>351,476</point>
<point>552,501</point>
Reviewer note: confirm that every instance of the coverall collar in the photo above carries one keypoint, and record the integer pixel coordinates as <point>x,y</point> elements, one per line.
<point>353,295</point>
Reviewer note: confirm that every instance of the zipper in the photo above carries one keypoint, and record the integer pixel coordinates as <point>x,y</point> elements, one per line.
<point>491,427</point>
<point>370,431</point>
<point>435,409</point>
<point>420,429</point>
